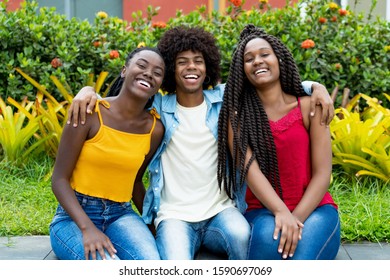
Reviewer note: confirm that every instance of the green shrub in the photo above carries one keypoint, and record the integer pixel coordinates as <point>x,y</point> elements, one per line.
<point>44,43</point>
<point>348,52</point>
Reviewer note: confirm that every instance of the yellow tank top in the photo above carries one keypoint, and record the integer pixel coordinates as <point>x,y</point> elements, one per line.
<point>109,162</point>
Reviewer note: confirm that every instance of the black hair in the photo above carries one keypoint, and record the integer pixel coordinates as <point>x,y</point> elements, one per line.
<point>243,109</point>
<point>182,38</point>
<point>116,86</point>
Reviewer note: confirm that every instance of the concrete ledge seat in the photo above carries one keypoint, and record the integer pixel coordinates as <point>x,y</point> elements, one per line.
<point>38,248</point>
<point>203,254</point>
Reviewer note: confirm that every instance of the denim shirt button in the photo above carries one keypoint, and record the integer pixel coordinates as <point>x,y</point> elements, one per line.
<point>156,171</point>
<point>156,189</point>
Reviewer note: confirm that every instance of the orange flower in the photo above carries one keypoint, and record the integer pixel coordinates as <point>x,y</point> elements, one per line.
<point>337,66</point>
<point>236,3</point>
<point>343,12</point>
<point>56,62</point>
<point>333,19</point>
<point>307,44</point>
<point>96,44</point>
<point>159,24</point>
<point>322,20</point>
<point>114,54</point>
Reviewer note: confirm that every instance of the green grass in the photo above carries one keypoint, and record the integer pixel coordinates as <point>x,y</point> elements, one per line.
<point>364,207</point>
<point>27,203</point>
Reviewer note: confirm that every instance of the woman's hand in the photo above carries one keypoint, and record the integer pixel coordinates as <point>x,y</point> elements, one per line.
<point>290,229</point>
<point>95,240</point>
<point>83,103</point>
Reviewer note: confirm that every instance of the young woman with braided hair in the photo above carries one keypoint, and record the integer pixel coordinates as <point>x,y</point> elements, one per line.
<point>99,169</point>
<point>281,154</point>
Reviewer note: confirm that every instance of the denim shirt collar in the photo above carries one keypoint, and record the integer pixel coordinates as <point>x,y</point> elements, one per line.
<point>169,102</point>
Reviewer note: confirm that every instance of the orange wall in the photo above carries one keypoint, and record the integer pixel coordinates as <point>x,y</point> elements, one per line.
<point>274,3</point>
<point>168,8</point>
<point>13,4</point>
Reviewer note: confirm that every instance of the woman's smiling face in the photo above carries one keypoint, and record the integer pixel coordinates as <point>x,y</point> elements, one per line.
<point>261,66</point>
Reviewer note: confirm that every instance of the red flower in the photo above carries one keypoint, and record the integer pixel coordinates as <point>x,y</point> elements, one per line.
<point>56,62</point>
<point>236,3</point>
<point>343,12</point>
<point>333,19</point>
<point>322,20</point>
<point>96,44</point>
<point>114,54</point>
<point>307,44</point>
<point>159,24</point>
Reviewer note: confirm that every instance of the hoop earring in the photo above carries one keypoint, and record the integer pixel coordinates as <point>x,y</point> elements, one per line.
<point>208,81</point>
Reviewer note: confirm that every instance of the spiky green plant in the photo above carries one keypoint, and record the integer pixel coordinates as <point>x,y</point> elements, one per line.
<point>361,140</point>
<point>17,130</point>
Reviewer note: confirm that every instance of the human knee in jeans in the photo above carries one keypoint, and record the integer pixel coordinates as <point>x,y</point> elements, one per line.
<point>227,233</point>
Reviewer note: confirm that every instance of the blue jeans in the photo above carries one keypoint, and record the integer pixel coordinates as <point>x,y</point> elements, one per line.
<point>123,226</point>
<point>320,235</point>
<point>227,233</point>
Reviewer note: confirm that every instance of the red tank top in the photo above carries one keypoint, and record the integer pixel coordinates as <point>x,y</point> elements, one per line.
<point>292,142</point>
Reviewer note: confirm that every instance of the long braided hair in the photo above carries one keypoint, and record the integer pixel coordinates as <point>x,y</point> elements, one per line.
<point>116,86</point>
<point>243,109</point>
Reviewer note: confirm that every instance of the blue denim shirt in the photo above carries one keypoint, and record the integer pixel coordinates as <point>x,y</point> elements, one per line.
<point>166,107</point>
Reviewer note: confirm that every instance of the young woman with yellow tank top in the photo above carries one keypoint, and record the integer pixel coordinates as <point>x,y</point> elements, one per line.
<point>100,165</point>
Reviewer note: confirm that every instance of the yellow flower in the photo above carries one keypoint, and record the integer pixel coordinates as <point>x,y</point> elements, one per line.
<point>102,15</point>
<point>118,21</point>
<point>333,6</point>
<point>263,1</point>
<point>387,48</point>
<point>141,45</point>
<point>249,12</point>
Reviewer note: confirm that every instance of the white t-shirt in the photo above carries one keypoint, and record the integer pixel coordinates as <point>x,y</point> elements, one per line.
<point>191,191</point>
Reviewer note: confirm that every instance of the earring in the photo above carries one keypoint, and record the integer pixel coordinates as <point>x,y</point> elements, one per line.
<point>208,81</point>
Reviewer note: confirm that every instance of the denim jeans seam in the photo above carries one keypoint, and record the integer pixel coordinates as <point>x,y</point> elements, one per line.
<point>250,240</point>
<point>116,246</point>
<point>216,229</point>
<point>63,245</point>
<point>328,240</point>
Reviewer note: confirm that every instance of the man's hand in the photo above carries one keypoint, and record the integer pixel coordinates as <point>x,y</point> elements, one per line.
<point>83,103</point>
<point>320,96</point>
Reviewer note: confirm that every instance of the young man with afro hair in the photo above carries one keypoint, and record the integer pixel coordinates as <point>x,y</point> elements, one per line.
<point>184,201</point>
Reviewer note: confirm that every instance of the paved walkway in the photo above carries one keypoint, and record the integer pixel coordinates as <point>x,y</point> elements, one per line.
<point>38,248</point>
